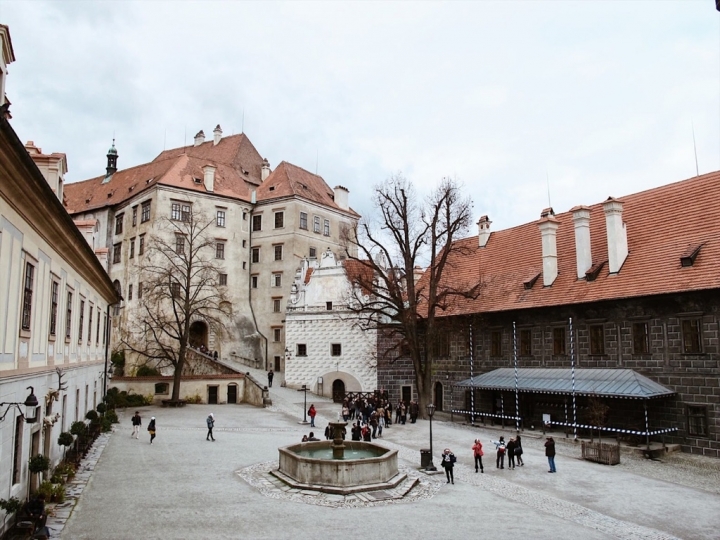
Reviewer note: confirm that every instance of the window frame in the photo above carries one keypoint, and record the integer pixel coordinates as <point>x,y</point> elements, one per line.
<point>117,253</point>
<point>134,215</point>
<point>277,307</point>
<point>81,320</point>
<point>222,279</point>
<point>644,336</point>
<point>54,298</point>
<point>119,222</point>
<point>68,314</point>
<point>496,343</point>
<point>316,224</point>
<point>694,346</point>
<point>146,207</point>
<point>279,217</point>
<point>27,296</point>
<point>256,223</point>
<point>301,350</point>
<point>701,412</point>
<point>255,255</point>
<point>254,281</point>
<point>335,349</point>
<point>276,280</point>
<point>312,252</point>
<point>220,250</point>
<point>303,221</point>
<point>132,248</point>
<point>559,334</point>
<point>525,342</point>
<point>277,334</point>
<point>179,244</point>
<point>326,227</point>
<point>220,218</point>
<point>90,321</point>
<point>278,252</point>
<point>596,339</point>
<point>141,244</point>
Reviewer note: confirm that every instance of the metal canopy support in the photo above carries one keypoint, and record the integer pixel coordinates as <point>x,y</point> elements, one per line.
<point>572,367</point>
<point>647,425</point>
<point>517,398</point>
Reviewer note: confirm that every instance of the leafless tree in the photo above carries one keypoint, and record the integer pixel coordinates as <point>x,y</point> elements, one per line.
<point>409,233</point>
<point>179,275</point>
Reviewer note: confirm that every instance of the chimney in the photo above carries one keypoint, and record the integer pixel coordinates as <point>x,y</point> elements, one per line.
<point>199,138</point>
<point>217,135</point>
<point>253,197</point>
<point>583,255</point>
<point>209,171</point>
<point>265,171</point>
<point>616,234</point>
<point>341,197</point>
<point>548,230</point>
<point>483,230</point>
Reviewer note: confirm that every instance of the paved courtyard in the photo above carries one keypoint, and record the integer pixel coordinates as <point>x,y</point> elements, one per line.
<point>184,487</point>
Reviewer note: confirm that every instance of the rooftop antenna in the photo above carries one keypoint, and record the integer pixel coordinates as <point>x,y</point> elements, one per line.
<point>547,178</point>
<point>697,169</point>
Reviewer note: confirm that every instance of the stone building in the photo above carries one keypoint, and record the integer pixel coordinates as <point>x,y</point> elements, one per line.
<point>626,284</point>
<point>263,222</point>
<point>328,349</point>
<point>55,297</point>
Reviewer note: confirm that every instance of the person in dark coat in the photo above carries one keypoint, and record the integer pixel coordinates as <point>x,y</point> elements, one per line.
<point>136,423</point>
<point>550,453</point>
<point>500,447</point>
<point>448,463</point>
<point>270,378</point>
<point>510,449</point>
<point>519,451</point>
<point>210,421</point>
<point>151,429</point>
<point>414,411</point>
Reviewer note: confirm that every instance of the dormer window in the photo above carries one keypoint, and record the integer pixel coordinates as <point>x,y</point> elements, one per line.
<point>691,253</point>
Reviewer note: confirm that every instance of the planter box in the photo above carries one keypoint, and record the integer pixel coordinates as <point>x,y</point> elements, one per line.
<point>609,454</point>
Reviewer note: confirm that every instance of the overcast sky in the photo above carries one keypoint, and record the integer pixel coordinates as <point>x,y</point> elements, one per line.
<point>599,96</point>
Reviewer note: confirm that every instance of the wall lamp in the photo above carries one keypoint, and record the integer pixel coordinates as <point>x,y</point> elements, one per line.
<point>31,406</point>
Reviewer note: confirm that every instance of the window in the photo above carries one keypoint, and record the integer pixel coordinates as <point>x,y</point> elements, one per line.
<point>146,212</point>
<point>279,220</point>
<point>303,220</point>
<point>140,290</point>
<point>558,341</point>
<point>313,253</point>
<point>117,253</point>
<point>179,244</point>
<point>326,228</point>
<point>277,280</point>
<point>691,336</point>
<point>278,252</point>
<point>276,305</point>
<point>257,223</point>
<point>53,307</point>
<point>301,349</point>
<point>222,279</point>
<point>141,246</point>
<point>597,339</point>
<point>90,316</point>
<point>336,349</point>
<point>441,345</point>
<point>244,216</point>
<point>104,328</point>
<point>525,342</point>
<point>244,244</point>
<point>175,212</point>
<point>132,247</point>
<point>68,315</point>
<point>81,320</point>
<point>162,388</point>
<point>256,255</point>
<point>277,334</point>
<point>134,216</point>
<point>244,265</point>
<point>697,420</point>
<point>97,329</point>
<point>328,306</point>
<point>119,223</point>
<point>316,224</point>
<point>175,290</point>
<point>640,338</point>
<point>220,250</point>
<point>254,282</point>
<point>130,291</point>
<point>27,296</point>
<point>178,212</point>
<point>496,343</point>
<point>220,218</point>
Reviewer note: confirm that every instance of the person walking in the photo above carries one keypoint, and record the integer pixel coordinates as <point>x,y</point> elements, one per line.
<point>414,411</point>
<point>448,462</point>
<point>510,449</point>
<point>550,453</point>
<point>478,453</point>
<point>136,423</point>
<point>519,451</point>
<point>311,413</point>
<point>270,378</point>
<point>151,429</point>
<point>210,421</point>
<point>500,448</point>
<point>403,413</point>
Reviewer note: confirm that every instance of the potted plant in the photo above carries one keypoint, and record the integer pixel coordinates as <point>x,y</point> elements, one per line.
<point>10,506</point>
<point>39,464</point>
<point>65,439</point>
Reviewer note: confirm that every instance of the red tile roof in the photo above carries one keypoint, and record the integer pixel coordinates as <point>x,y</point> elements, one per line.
<point>662,225</point>
<point>288,180</point>
<point>359,274</point>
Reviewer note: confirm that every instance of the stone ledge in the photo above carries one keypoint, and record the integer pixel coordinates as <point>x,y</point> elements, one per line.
<point>390,484</point>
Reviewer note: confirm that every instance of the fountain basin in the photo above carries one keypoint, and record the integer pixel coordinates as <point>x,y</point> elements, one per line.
<point>300,467</point>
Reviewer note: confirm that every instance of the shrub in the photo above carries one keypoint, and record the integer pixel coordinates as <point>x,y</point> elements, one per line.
<point>11,505</point>
<point>57,493</point>
<point>101,408</point>
<point>106,424</point>
<point>197,398</point>
<point>78,428</point>
<point>65,439</point>
<point>65,468</point>
<point>112,417</point>
<point>135,400</point>
<point>38,464</point>
<point>146,371</point>
<point>92,416</point>
<point>45,488</point>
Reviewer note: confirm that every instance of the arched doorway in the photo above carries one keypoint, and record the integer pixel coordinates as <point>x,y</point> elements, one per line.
<point>438,396</point>
<point>198,334</point>
<point>338,391</point>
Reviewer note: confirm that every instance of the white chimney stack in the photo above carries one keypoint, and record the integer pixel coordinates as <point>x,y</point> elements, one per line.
<point>483,230</point>
<point>265,170</point>
<point>341,197</point>
<point>583,255</point>
<point>548,230</point>
<point>616,234</point>
<point>199,138</point>
<point>209,172</point>
<point>217,135</point>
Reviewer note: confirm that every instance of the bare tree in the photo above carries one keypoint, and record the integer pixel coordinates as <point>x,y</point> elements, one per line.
<point>179,276</point>
<point>409,233</point>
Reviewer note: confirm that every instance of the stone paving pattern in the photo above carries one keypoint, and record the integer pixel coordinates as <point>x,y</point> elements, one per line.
<point>185,487</point>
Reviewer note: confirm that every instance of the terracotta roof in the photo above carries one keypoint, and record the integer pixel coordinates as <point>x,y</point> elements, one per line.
<point>308,273</point>
<point>359,274</point>
<point>288,180</point>
<point>663,225</point>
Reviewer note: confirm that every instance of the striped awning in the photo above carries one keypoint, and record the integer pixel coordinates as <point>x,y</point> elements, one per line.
<point>618,383</point>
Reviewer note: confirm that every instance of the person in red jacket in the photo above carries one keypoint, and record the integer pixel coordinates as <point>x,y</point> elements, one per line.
<point>478,453</point>
<point>311,413</point>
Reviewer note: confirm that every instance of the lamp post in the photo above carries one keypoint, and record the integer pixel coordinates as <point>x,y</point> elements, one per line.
<point>31,406</point>
<point>430,410</point>
<point>305,390</point>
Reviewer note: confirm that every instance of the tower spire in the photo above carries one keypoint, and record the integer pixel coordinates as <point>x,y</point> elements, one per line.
<point>112,157</point>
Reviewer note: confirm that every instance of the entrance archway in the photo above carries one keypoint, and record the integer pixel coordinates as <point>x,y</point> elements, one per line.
<point>438,396</point>
<point>338,391</point>
<point>198,334</point>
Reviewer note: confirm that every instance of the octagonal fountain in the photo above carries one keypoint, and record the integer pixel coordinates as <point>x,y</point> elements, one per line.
<point>339,466</point>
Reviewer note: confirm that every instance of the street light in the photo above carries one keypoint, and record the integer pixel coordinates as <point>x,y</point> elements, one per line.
<point>430,410</point>
<point>31,406</point>
<point>305,390</point>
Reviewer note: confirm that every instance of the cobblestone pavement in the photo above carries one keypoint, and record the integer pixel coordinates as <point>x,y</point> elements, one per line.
<point>185,487</point>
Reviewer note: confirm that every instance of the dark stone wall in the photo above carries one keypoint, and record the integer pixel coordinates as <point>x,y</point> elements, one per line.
<point>694,376</point>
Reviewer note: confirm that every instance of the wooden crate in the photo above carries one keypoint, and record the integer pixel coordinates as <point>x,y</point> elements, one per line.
<point>609,454</point>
